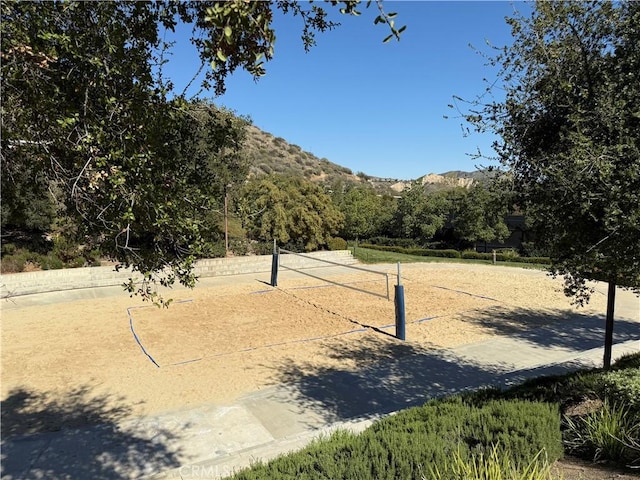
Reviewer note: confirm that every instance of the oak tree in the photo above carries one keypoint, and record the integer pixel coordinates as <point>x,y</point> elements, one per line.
<point>569,129</point>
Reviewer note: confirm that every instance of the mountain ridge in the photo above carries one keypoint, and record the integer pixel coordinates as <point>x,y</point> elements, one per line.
<point>268,154</point>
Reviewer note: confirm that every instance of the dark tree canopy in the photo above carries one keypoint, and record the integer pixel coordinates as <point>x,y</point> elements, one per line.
<point>480,212</point>
<point>87,113</point>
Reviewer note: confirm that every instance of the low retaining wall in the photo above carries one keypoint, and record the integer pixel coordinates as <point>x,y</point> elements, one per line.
<point>28,283</point>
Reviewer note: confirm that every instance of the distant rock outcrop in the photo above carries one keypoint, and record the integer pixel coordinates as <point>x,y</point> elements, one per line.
<point>446,181</point>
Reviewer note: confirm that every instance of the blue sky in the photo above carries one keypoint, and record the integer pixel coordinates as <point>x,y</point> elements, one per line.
<point>372,107</point>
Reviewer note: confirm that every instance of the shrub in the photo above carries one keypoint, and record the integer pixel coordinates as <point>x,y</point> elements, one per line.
<point>239,247</point>
<point>423,252</point>
<point>538,260</point>
<point>13,263</point>
<point>92,258</point>
<point>623,386</point>
<point>507,254</point>
<point>393,242</point>
<point>610,433</point>
<point>51,262</point>
<point>530,249</point>
<point>262,248</point>
<point>215,250</point>
<point>65,250</point>
<point>77,262</point>
<point>631,360</point>
<point>472,254</point>
<point>497,465</point>
<point>337,243</point>
<point>436,253</point>
<point>405,444</point>
<point>8,249</point>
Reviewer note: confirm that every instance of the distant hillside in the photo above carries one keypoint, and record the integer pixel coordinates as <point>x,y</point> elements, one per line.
<point>268,154</point>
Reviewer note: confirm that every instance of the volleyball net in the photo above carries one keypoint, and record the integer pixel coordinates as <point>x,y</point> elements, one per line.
<point>309,265</point>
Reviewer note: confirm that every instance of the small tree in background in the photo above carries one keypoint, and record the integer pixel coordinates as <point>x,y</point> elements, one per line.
<point>366,213</point>
<point>420,215</point>
<point>479,214</point>
<point>288,209</point>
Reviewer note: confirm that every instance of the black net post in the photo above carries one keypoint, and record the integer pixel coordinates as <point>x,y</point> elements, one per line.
<point>274,266</point>
<point>400,310</point>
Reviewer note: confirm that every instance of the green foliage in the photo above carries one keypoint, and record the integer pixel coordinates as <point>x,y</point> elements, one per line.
<point>393,242</point>
<point>28,202</point>
<point>415,251</point>
<point>610,433</point>
<point>337,243</point>
<point>62,255</point>
<point>293,211</point>
<point>472,254</point>
<point>239,247</point>
<point>496,465</point>
<point>488,434</point>
<point>479,213</point>
<point>261,248</point>
<point>366,214</point>
<point>570,136</point>
<point>606,423</point>
<point>420,215</point>
<point>623,386</point>
<point>627,361</point>
<point>468,254</point>
<point>13,263</point>
<point>508,256</point>
<point>403,445</point>
<point>90,127</point>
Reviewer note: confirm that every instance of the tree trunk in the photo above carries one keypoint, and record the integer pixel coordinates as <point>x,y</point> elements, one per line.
<point>608,334</point>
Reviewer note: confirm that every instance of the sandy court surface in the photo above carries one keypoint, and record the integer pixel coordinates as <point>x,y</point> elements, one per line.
<point>216,343</point>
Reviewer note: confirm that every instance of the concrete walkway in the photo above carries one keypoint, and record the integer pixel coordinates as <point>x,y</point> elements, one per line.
<point>213,441</point>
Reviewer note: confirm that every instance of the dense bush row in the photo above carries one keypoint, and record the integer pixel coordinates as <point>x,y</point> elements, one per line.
<point>423,252</point>
<point>408,444</point>
<point>505,256</point>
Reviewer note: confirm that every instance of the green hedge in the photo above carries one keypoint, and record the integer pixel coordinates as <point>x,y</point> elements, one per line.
<point>406,444</point>
<point>506,256</point>
<point>422,252</point>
